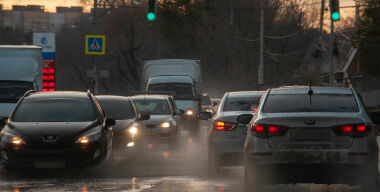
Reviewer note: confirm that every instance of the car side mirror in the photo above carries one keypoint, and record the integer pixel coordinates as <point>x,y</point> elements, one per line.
<point>245,118</point>
<point>205,115</point>
<point>110,121</point>
<point>179,112</point>
<point>143,117</point>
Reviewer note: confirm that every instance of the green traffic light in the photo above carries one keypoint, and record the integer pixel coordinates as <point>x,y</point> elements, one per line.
<point>335,16</point>
<point>151,16</point>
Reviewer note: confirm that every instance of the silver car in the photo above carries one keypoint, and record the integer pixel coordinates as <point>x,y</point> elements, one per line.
<point>311,135</point>
<point>163,124</point>
<point>226,137</point>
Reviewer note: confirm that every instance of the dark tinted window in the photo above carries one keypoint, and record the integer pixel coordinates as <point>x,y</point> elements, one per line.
<point>55,110</point>
<point>241,103</point>
<point>12,91</point>
<point>319,103</point>
<point>205,100</point>
<point>117,108</point>
<point>180,91</point>
<point>152,106</point>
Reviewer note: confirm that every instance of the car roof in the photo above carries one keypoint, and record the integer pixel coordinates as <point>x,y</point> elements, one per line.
<point>111,97</point>
<point>161,97</point>
<point>245,93</point>
<point>58,94</point>
<point>305,90</point>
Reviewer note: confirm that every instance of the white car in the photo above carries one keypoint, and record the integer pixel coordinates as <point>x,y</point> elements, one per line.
<point>226,137</point>
<point>311,135</point>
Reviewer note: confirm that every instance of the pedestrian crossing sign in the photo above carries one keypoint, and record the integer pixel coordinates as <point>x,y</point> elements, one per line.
<point>95,45</point>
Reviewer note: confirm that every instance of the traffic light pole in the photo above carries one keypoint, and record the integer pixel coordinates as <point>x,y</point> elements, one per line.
<point>95,66</point>
<point>331,54</point>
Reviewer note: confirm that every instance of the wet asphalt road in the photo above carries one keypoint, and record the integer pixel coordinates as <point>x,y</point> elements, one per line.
<point>160,170</point>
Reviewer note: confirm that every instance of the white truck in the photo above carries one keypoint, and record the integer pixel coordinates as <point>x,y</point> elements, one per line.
<point>183,79</point>
<point>20,71</point>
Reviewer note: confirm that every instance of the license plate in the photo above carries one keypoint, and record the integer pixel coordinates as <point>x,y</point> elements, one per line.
<point>310,134</point>
<point>49,164</point>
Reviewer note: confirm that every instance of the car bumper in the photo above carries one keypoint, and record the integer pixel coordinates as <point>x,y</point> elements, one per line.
<point>352,174</point>
<point>53,157</point>
<point>311,157</point>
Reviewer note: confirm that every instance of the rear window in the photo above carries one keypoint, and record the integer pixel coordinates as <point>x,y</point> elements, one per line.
<point>241,103</point>
<point>304,103</point>
<point>117,109</point>
<point>55,110</point>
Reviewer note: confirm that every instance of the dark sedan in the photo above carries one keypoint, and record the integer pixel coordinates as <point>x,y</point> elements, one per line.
<point>56,130</point>
<point>129,123</point>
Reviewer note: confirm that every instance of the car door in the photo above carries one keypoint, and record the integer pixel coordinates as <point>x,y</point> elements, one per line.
<point>108,129</point>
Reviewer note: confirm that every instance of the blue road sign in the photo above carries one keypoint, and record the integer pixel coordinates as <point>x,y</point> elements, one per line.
<point>95,44</point>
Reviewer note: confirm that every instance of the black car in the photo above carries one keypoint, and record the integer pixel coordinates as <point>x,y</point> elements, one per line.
<point>129,122</point>
<point>56,130</point>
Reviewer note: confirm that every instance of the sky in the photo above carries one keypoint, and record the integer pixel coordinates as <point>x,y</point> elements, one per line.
<point>51,4</point>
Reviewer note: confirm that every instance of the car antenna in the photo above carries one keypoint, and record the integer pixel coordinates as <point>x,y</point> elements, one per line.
<point>310,92</point>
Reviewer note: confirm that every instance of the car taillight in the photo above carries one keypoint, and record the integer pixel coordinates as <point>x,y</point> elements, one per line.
<point>265,131</point>
<point>224,125</point>
<point>355,131</point>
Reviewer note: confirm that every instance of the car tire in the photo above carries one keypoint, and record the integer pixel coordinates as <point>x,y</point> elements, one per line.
<point>213,163</point>
<point>252,180</point>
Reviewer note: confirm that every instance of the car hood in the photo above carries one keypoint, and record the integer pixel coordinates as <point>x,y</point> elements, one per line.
<point>67,132</point>
<point>121,125</point>
<point>156,119</point>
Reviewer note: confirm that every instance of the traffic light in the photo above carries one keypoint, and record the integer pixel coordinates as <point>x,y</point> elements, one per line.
<point>151,15</point>
<point>334,10</point>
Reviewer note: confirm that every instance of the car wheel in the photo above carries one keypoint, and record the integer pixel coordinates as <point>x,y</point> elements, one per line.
<point>252,180</point>
<point>213,163</point>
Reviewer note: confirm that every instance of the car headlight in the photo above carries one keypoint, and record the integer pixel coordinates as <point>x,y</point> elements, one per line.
<point>11,138</point>
<point>165,125</point>
<point>133,130</point>
<point>90,136</point>
<point>189,112</point>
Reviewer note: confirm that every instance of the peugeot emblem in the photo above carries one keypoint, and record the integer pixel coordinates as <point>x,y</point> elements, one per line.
<point>309,122</point>
<point>50,138</point>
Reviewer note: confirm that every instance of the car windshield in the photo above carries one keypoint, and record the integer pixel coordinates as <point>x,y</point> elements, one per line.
<point>151,106</point>
<point>235,103</point>
<point>304,103</point>
<point>117,109</point>
<point>180,91</point>
<point>55,110</point>
<point>12,91</point>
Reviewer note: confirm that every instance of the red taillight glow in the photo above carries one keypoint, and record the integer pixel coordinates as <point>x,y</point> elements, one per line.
<point>355,131</point>
<point>347,129</point>
<point>224,125</point>
<point>259,128</point>
<point>361,128</point>
<point>273,129</point>
<point>255,109</point>
<point>265,131</point>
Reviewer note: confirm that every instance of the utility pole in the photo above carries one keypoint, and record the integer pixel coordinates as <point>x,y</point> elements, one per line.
<point>232,12</point>
<point>331,54</point>
<point>322,15</point>
<point>261,66</point>
<point>95,67</point>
